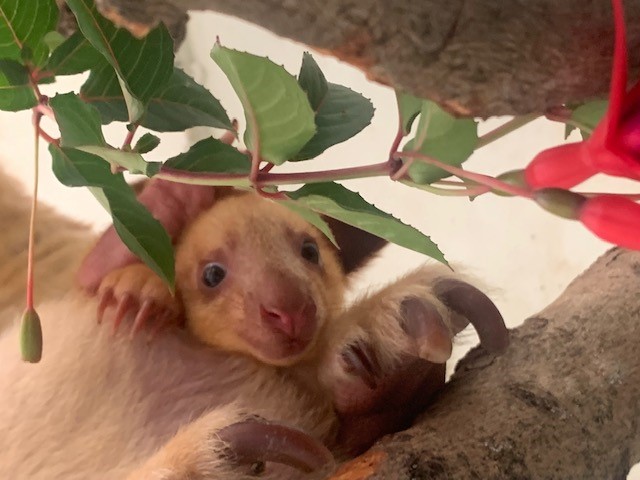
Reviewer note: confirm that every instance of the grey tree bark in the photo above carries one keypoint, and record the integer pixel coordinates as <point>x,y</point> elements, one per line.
<point>563,402</point>
<point>479,58</point>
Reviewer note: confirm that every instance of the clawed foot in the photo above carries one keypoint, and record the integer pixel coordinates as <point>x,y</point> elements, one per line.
<point>253,443</point>
<point>248,448</point>
<point>392,362</point>
<point>136,291</point>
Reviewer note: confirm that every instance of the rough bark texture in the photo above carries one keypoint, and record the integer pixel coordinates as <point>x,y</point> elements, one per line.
<point>480,58</point>
<point>563,402</point>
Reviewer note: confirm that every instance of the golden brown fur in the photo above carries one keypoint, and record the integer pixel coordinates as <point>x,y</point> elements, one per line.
<point>105,407</point>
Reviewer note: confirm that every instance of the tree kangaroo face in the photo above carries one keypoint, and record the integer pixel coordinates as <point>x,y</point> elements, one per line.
<point>257,279</point>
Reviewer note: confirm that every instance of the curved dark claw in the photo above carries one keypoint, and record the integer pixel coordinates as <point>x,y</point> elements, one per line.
<point>422,322</point>
<point>360,360</point>
<point>471,303</point>
<point>254,442</point>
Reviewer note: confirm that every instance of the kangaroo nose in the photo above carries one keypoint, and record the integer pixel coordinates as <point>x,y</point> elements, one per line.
<point>294,324</point>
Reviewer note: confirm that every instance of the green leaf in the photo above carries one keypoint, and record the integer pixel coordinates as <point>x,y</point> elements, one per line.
<point>408,107</point>
<point>143,66</point>
<point>74,55</point>
<point>213,156</point>
<point>338,202</point>
<point>181,104</point>
<point>15,90</point>
<point>312,81</point>
<point>80,127</point>
<point>146,143</point>
<point>132,161</point>
<point>343,113</point>
<point>53,40</point>
<point>23,27</point>
<point>279,118</point>
<point>311,217</point>
<point>139,231</point>
<point>79,122</point>
<point>587,115</point>
<point>443,137</point>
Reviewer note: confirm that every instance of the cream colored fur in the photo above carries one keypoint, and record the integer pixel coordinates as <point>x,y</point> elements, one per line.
<point>60,245</point>
<point>99,407</point>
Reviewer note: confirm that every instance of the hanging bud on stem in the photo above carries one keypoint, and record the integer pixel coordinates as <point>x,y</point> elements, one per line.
<point>613,218</point>
<point>31,336</point>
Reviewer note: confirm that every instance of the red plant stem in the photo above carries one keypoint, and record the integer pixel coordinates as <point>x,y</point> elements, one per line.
<point>126,145</point>
<point>267,168</point>
<point>32,220</point>
<point>45,110</point>
<point>33,79</point>
<point>402,171</point>
<point>46,137</point>
<point>631,196</point>
<point>396,141</point>
<point>272,179</point>
<point>476,177</point>
<point>230,136</point>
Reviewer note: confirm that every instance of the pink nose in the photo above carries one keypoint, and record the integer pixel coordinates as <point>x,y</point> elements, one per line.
<point>294,324</point>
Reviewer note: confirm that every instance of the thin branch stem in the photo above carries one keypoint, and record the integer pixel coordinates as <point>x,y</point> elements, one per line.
<point>131,132</point>
<point>402,171</point>
<point>45,110</point>
<point>449,192</point>
<point>32,220</point>
<point>46,137</point>
<point>476,177</point>
<point>274,179</point>
<point>397,139</point>
<point>506,128</point>
<point>631,196</point>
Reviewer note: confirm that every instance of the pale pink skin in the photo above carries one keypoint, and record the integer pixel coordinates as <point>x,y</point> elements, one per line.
<point>173,204</point>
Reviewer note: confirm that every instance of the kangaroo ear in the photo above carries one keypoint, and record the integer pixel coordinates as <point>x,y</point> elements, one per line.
<point>357,247</point>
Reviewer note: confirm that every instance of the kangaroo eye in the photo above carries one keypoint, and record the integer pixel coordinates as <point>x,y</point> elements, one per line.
<point>213,274</point>
<point>310,251</point>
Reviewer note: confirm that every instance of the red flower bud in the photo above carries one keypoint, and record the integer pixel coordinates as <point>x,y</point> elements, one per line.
<point>614,219</point>
<point>562,167</point>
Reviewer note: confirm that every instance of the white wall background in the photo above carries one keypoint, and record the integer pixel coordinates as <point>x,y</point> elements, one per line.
<point>522,254</point>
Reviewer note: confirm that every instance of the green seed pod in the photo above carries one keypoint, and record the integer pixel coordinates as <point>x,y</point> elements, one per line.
<point>31,337</point>
<point>512,177</point>
<point>558,201</point>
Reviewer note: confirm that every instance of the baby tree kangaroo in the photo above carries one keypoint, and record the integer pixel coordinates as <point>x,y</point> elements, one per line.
<point>272,373</point>
<point>254,279</point>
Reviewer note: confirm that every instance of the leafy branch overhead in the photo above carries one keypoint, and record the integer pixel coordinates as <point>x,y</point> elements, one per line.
<point>287,119</point>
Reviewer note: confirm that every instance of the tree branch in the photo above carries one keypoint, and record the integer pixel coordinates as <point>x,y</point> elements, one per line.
<point>563,402</point>
<point>480,58</point>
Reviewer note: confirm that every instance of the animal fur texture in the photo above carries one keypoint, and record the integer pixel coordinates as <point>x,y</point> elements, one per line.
<point>60,245</point>
<point>104,406</point>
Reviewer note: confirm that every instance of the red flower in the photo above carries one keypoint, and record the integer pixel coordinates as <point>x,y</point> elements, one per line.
<point>614,219</point>
<point>614,146</point>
